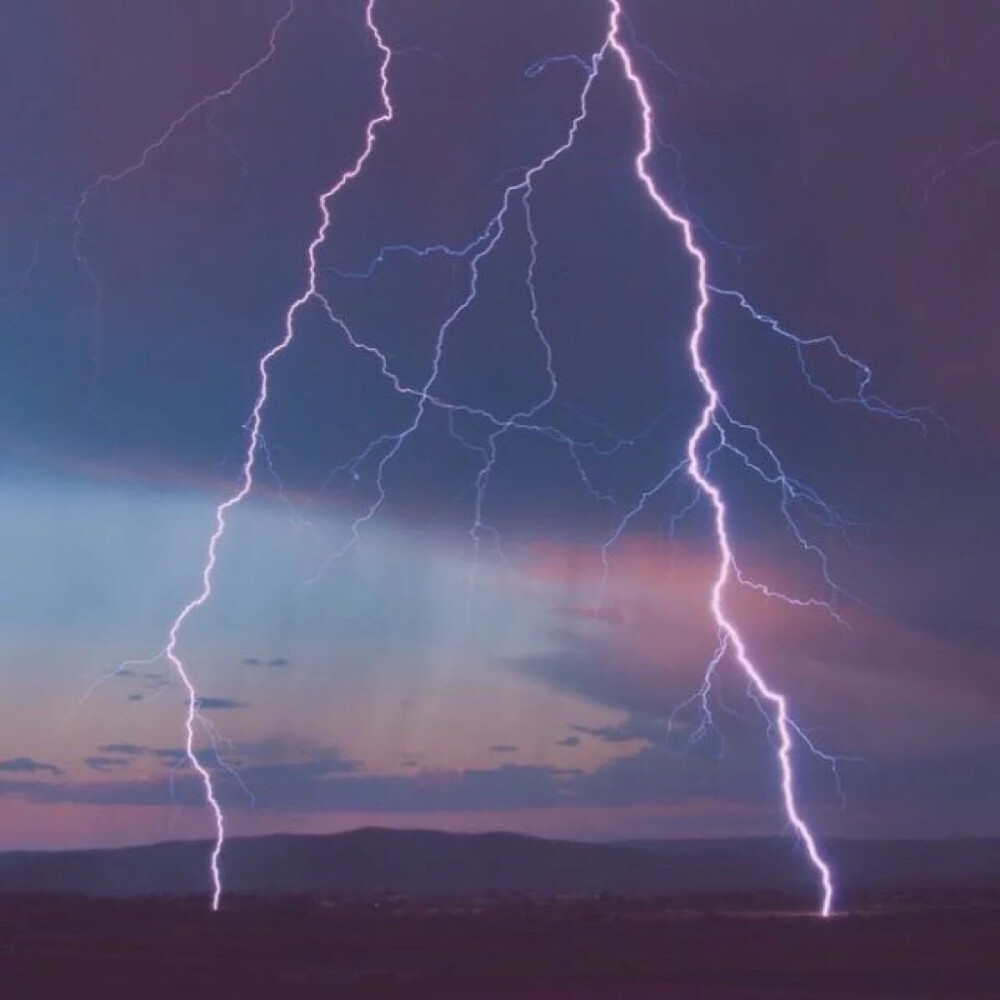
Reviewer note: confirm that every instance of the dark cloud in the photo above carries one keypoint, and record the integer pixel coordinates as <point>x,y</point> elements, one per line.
<point>843,243</point>
<point>661,775</point>
<point>285,749</point>
<point>131,749</point>
<point>568,741</point>
<point>329,784</point>
<point>106,763</point>
<point>635,727</point>
<point>593,668</point>
<point>503,748</point>
<point>654,775</point>
<point>218,704</point>
<point>274,661</point>
<point>653,665</point>
<point>27,765</point>
<point>332,782</point>
<point>740,782</point>
<point>112,755</point>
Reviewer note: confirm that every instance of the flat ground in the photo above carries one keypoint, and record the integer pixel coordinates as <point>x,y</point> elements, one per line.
<point>610,949</point>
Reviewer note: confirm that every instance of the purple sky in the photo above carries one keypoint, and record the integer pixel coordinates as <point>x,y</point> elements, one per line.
<point>840,163</point>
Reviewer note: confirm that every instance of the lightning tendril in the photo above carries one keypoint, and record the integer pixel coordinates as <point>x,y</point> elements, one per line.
<point>717,429</point>
<point>253,447</point>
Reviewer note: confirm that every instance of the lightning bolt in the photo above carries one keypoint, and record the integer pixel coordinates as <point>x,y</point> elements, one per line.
<point>698,471</point>
<point>477,251</point>
<point>107,179</point>
<point>968,155</point>
<point>245,481</point>
<point>716,430</point>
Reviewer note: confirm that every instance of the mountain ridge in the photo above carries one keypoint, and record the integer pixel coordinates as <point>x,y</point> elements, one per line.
<point>373,860</point>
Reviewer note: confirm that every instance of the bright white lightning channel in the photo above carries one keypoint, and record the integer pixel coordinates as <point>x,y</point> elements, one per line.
<point>246,478</point>
<point>728,632</point>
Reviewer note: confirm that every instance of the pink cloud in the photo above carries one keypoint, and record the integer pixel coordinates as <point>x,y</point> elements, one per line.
<point>876,687</point>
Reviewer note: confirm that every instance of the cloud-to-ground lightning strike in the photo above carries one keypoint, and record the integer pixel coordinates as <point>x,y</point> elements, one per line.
<point>170,651</point>
<point>716,431</point>
<point>728,632</point>
<point>245,481</point>
<point>715,420</point>
<point>695,464</point>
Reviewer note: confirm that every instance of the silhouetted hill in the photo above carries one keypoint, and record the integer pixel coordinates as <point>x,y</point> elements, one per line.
<point>426,862</point>
<point>860,865</point>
